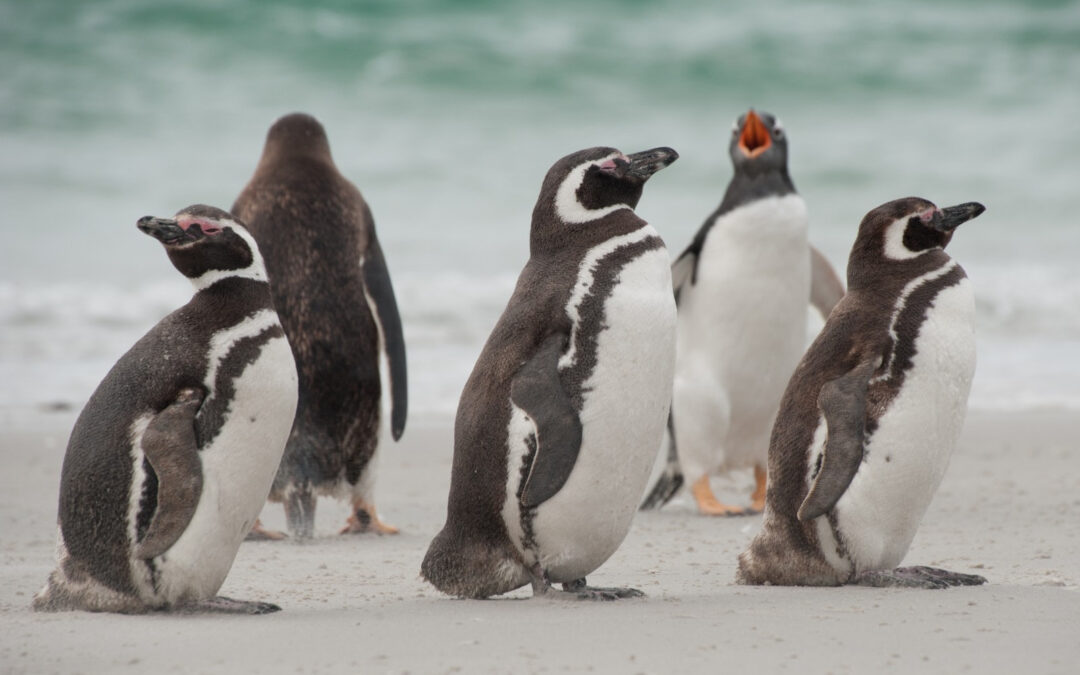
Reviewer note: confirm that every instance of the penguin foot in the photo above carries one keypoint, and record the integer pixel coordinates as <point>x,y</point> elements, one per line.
<point>757,500</point>
<point>365,519</point>
<point>583,591</point>
<point>917,577</point>
<point>260,533</point>
<point>709,505</point>
<point>577,589</point>
<point>300,511</point>
<point>223,605</point>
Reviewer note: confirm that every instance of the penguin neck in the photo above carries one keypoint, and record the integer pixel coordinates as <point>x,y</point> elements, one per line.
<point>251,293</point>
<point>877,273</point>
<point>254,272</point>
<point>746,187</point>
<point>548,240</point>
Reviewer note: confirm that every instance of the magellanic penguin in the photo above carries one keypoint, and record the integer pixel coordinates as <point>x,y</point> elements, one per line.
<point>168,464</point>
<point>332,289</point>
<point>560,422</point>
<point>743,287</point>
<point>873,412</point>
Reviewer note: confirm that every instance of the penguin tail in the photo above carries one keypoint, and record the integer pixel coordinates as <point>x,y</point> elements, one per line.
<point>670,480</point>
<point>667,484</point>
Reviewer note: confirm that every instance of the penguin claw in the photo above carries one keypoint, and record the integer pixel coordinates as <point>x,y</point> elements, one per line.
<point>607,594</point>
<point>365,519</point>
<point>580,589</point>
<point>260,533</point>
<point>709,505</point>
<point>223,605</point>
<point>919,576</point>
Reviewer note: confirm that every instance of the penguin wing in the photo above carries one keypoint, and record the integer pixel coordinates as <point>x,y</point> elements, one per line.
<point>826,289</point>
<point>682,270</point>
<point>536,389</point>
<point>169,445</point>
<point>380,294</point>
<point>843,403</point>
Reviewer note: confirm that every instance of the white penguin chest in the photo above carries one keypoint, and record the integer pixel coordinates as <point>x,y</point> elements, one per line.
<point>907,454</point>
<point>239,463</point>
<point>744,319</point>
<point>625,404</point>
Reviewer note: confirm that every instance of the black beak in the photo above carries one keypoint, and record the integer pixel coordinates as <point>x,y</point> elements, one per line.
<point>165,230</point>
<point>953,216</point>
<point>645,164</point>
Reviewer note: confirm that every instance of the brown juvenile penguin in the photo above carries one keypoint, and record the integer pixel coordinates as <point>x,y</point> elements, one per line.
<point>332,290</point>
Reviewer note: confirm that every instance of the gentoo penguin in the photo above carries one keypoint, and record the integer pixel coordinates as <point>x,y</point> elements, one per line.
<point>559,423</point>
<point>742,286</point>
<point>872,412</point>
<point>169,462</point>
<point>332,290</point>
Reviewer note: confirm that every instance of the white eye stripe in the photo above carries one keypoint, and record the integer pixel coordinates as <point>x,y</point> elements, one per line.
<point>255,271</point>
<point>567,205</point>
<point>895,248</point>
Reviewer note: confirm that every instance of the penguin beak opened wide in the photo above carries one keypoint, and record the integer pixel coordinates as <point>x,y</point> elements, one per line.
<point>755,138</point>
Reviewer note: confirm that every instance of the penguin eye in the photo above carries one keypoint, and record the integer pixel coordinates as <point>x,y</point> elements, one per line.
<point>210,229</point>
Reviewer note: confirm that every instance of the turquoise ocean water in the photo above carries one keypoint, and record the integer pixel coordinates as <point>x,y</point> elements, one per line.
<point>448,114</point>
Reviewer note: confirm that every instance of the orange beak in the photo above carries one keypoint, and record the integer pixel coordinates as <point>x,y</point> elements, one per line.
<point>755,138</point>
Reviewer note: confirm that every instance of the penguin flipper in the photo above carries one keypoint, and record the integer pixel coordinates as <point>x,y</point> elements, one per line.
<point>826,289</point>
<point>169,445</point>
<point>383,304</point>
<point>683,269</point>
<point>536,389</point>
<point>843,403</point>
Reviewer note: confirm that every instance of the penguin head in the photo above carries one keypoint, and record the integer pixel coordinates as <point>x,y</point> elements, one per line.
<point>206,244</point>
<point>906,229</point>
<point>296,134</point>
<point>588,185</point>
<point>758,144</point>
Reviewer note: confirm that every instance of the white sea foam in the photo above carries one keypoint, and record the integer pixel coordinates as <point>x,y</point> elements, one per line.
<point>58,340</point>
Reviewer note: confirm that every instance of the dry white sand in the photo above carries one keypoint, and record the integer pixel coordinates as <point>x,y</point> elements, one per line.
<point>1009,508</point>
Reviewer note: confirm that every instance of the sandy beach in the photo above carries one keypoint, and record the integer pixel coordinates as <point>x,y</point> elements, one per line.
<point>1007,510</point>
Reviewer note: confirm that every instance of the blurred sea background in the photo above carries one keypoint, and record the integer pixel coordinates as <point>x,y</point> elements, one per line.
<point>448,114</point>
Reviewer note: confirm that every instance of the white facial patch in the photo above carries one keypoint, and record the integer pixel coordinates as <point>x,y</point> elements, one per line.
<point>569,207</point>
<point>895,249</point>
<point>256,271</point>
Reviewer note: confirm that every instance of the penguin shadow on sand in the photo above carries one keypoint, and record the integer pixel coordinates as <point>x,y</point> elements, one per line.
<point>558,424</point>
<point>743,287</point>
<point>169,462</point>
<point>331,287</point>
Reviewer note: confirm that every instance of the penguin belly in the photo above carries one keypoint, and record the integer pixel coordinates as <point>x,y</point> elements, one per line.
<point>906,456</point>
<point>239,465</point>
<point>624,411</point>
<point>741,332</point>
